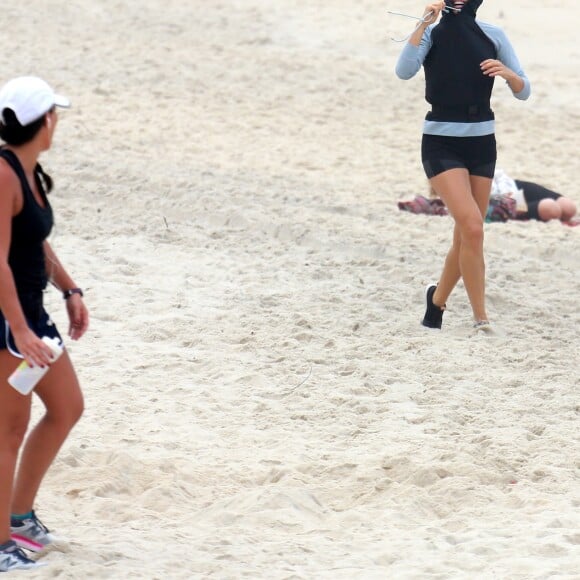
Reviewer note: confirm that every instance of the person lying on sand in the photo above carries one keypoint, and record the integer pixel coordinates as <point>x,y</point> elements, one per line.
<point>510,199</point>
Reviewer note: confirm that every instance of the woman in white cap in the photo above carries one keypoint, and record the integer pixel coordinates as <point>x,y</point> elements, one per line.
<point>28,119</point>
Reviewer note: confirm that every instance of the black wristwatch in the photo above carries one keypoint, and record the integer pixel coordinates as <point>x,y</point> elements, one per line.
<point>68,293</point>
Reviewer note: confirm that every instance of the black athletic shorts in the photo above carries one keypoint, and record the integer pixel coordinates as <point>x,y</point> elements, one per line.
<point>476,154</point>
<point>534,194</point>
<point>37,318</point>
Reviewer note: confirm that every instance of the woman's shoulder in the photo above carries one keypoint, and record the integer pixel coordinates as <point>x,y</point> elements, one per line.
<point>10,196</point>
<point>495,33</point>
<point>492,30</point>
<point>8,177</point>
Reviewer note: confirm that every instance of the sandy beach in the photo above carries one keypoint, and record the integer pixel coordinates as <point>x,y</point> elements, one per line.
<point>261,400</point>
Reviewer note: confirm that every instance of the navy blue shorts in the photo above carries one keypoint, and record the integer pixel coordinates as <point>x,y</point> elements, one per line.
<point>476,154</point>
<point>37,318</point>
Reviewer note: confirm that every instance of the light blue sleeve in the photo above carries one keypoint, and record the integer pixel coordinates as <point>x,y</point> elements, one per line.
<point>412,57</point>
<point>507,55</point>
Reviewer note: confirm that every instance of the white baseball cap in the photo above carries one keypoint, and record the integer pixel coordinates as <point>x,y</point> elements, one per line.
<point>29,98</point>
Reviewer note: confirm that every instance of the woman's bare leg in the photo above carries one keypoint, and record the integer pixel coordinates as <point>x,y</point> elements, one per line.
<point>14,417</point>
<point>60,392</point>
<point>549,209</point>
<point>568,208</point>
<point>466,198</point>
<point>451,272</point>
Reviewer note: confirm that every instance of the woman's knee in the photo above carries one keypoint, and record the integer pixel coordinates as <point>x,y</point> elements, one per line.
<point>61,395</point>
<point>64,414</point>
<point>549,209</point>
<point>76,409</point>
<point>69,415</point>
<point>13,428</point>
<point>472,232</point>
<point>568,208</point>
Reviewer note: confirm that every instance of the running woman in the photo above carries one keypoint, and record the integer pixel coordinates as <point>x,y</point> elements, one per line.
<point>28,119</point>
<point>461,57</point>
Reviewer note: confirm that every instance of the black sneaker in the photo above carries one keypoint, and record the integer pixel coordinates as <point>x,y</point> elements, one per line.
<point>13,558</point>
<point>433,315</point>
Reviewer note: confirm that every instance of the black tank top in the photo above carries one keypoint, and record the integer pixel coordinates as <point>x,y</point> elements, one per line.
<point>30,227</point>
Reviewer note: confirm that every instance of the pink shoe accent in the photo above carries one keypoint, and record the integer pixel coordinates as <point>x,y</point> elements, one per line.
<point>27,543</point>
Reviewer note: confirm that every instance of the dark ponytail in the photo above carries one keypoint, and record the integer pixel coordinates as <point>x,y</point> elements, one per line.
<point>43,178</point>
<point>13,133</point>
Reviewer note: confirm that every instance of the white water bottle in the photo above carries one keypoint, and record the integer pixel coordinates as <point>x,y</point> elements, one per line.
<point>25,377</point>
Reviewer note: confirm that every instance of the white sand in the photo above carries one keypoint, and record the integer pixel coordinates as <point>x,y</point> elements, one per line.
<point>261,399</point>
